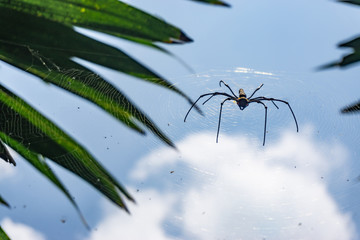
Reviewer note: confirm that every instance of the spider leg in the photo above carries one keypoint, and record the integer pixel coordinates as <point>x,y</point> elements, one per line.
<point>258,101</point>
<point>275,104</point>
<point>256,90</point>
<point>221,105</point>
<point>227,87</point>
<point>204,95</point>
<point>225,94</point>
<point>207,99</point>
<point>270,100</point>
<point>279,100</point>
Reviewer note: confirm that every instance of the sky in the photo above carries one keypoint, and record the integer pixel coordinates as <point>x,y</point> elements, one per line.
<point>298,186</point>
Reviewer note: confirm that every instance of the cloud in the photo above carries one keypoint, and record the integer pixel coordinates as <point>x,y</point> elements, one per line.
<point>237,190</point>
<point>144,223</point>
<point>20,231</point>
<point>6,170</point>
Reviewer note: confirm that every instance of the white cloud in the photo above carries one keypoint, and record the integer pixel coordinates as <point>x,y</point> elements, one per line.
<point>238,190</point>
<point>20,231</point>
<point>6,170</point>
<point>143,223</point>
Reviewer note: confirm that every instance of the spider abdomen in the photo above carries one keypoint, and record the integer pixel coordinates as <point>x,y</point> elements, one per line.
<point>242,102</point>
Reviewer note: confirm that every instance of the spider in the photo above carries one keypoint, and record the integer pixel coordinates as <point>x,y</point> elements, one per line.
<point>242,101</point>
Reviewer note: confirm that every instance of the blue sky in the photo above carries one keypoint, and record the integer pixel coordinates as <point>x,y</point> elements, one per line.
<point>300,185</point>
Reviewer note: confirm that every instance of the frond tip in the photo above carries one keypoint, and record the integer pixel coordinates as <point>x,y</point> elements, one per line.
<point>5,154</point>
<point>351,108</point>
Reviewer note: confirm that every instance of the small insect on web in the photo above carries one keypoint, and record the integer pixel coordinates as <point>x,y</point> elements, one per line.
<point>242,101</point>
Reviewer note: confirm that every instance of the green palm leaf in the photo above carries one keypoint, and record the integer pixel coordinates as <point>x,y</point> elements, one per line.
<point>37,161</point>
<point>39,38</point>
<point>2,201</point>
<point>31,135</point>
<point>24,46</point>
<point>109,16</point>
<point>3,235</point>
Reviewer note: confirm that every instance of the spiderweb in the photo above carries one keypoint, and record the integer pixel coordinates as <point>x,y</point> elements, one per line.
<point>301,91</point>
<point>169,111</point>
<point>249,122</point>
<point>203,170</point>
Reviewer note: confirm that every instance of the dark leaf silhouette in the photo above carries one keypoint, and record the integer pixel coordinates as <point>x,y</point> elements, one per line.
<point>352,108</point>
<point>356,2</point>
<point>214,2</point>
<point>4,154</point>
<point>348,59</point>
<point>3,202</point>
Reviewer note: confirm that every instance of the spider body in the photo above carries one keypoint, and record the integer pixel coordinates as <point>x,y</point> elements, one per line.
<point>242,101</point>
